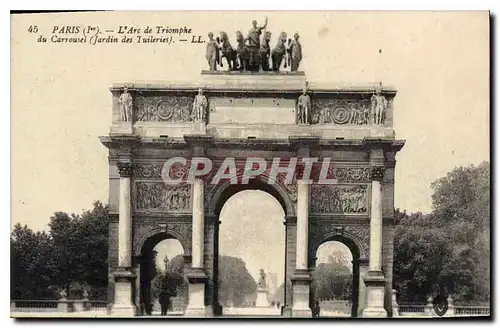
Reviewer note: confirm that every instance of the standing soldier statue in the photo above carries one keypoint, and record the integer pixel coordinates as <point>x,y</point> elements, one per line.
<point>212,54</point>
<point>199,107</point>
<point>379,106</point>
<point>125,101</point>
<point>304,107</point>
<point>253,39</point>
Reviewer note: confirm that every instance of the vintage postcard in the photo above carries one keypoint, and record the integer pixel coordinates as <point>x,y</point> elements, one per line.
<point>250,164</point>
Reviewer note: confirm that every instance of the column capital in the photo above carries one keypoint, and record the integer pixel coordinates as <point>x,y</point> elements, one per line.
<point>377,173</point>
<point>125,169</point>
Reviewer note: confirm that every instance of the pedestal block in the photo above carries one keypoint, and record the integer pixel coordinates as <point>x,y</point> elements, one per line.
<point>261,300</point>
<point>375,288</point>
<point>123,306</point>
<point>300,285</point>
<point>196,305</point>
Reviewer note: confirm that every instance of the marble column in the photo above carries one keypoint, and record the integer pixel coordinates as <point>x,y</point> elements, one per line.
<point>196,275</point>
<point>375,280</point>
<point>124,274</point>
<point>301,279</point>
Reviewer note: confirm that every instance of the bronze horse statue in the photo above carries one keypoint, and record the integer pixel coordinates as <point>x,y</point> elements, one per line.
<point>227,51</point>
<point>265,51</point>
<point>280,52</point>
<point>241,52</point>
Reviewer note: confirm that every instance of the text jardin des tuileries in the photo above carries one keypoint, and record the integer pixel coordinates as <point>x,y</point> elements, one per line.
<point>125,34</point>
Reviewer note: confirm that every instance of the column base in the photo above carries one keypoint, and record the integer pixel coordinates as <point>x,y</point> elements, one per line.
<point>375,289</point>
<point>286,311</point>
<point>196,304</point>
<point>123,305</point>
<point>300,287</point>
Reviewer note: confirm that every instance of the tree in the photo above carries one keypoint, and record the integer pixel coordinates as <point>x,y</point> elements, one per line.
<point>236,285</point>
<point>448,250</point>
<point>32,267</point>
<point>333,280</point>
<point>72,254</point>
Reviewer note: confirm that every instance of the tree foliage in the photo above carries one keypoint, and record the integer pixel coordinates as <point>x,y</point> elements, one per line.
<point>71,255</point>
<point>236,285</point>
<point>333,280</point>
<point>448,250</point>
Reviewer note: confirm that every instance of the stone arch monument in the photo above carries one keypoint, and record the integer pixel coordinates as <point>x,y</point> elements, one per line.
<point>243,115</point>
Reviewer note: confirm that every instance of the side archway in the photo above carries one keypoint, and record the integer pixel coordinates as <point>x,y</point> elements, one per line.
<point>356,248</point>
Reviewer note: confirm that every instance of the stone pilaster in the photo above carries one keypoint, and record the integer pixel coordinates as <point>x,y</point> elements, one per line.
<point>124,276</point>
<point>196,275</point>
<point>290,253</point>
<point>375,280</point>
<point>302,279</point>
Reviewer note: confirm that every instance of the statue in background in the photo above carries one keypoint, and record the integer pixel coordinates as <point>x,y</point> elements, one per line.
<point>126,103</point>
<point>212,54</point>
<point>295,53</point>
<point>200,105</point>
<point>262,280</point>
<point>304,107</point>
<point>379,106</point>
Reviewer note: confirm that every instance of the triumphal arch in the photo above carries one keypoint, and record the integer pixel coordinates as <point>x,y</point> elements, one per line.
<point>282,122</point>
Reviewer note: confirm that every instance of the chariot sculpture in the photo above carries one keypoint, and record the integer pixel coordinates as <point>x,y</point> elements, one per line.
<point>253,52</point>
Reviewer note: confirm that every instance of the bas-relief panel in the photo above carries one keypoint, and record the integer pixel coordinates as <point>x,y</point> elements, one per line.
<point>163,108</point>
<point>158,196</point>
<point>339,199</point>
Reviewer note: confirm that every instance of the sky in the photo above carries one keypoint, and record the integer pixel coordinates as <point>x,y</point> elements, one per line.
<point>61,104</point>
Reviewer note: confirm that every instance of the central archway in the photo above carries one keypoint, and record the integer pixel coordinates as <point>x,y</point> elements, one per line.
<point>226,202</point>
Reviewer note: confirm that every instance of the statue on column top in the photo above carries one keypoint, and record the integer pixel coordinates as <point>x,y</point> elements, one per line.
<point>379,105</point>
<point>199,107</point>
<point>125,101</point>
<point>304,107</point>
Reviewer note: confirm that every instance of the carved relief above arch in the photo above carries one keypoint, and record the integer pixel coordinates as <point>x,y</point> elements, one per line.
<point>356,237</point>
<point>180,231</point>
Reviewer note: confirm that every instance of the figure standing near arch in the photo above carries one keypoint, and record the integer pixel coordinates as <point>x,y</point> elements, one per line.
<point>125,101</point>
<point>304,107</point>
<point>199,107</point>
<point>379,106</point>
